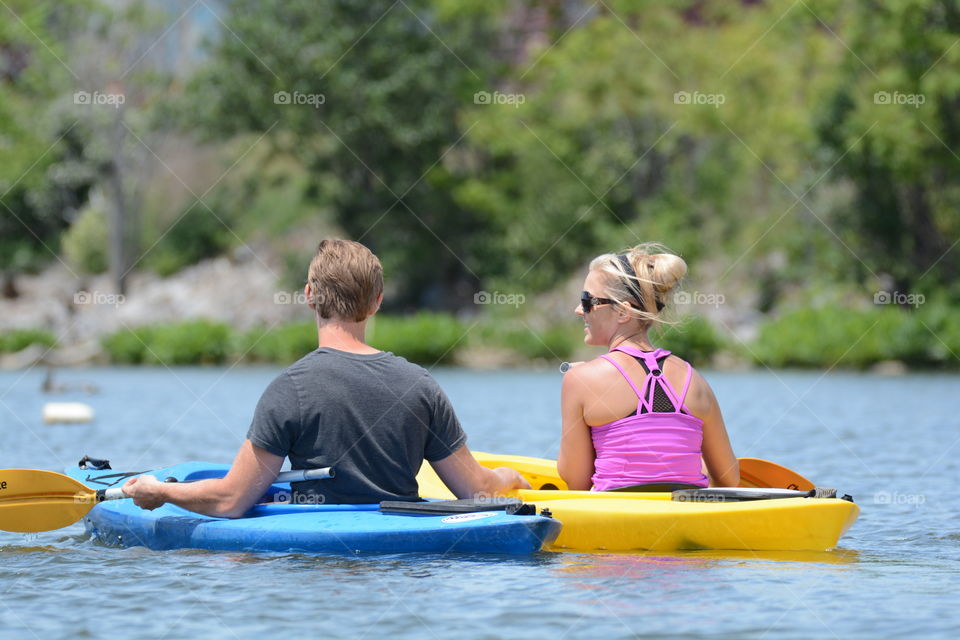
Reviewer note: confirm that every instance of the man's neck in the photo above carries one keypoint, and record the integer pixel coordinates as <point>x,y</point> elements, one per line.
<point>343,336</point>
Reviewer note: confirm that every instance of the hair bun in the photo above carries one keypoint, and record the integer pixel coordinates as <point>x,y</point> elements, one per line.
<point>657,265</point>
<point>667,271</point>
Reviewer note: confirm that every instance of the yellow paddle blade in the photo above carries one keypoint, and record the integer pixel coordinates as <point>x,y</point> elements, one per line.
<point>33,500</point>
<point>755,472</point>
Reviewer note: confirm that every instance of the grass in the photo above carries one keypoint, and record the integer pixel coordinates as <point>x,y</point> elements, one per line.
<point>17,339</point>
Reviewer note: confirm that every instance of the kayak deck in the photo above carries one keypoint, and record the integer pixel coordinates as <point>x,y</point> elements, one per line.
<point>625,524</point>
<point>636,521</point>
<point>285,527</point>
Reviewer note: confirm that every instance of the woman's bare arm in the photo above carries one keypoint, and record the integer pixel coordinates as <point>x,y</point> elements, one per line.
<point>577,456</point>
<point>722,465</point>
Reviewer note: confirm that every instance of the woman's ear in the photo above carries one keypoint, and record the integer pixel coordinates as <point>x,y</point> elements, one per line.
<point>623,317</point>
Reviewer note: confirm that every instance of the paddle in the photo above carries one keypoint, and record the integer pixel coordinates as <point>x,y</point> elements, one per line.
<point>755,472</point>
<point>32,500</point>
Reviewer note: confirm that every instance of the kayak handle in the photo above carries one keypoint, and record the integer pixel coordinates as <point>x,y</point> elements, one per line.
<point>300,475</point>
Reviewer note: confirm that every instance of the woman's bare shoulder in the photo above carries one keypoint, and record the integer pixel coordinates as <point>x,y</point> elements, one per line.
<point>588,370</point>
<point>700,398</point>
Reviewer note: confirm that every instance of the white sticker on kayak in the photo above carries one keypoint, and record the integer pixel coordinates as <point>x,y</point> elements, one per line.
<point>463,517</point>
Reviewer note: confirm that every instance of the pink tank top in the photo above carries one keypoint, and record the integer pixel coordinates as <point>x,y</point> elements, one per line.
<point>649,446</point>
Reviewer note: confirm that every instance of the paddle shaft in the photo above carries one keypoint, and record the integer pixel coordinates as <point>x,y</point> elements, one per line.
<point>300,475</point>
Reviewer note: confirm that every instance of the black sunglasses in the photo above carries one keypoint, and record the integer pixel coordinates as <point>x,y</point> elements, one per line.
<point>588,302</point>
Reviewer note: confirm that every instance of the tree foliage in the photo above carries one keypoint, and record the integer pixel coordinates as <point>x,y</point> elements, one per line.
<point>500,145</point>
<point>37,194</point>
<point>373,92</point>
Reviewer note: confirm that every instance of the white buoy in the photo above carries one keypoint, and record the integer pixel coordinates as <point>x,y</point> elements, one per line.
<point>67,412</point>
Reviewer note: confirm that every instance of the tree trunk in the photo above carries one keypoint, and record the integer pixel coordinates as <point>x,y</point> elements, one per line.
<point>118,217</point>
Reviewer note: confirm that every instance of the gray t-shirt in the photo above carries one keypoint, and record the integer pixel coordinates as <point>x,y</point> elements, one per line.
<point>373,418</point>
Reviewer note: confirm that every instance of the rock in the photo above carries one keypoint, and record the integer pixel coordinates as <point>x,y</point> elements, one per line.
<point>24,358</point>
<point>889,368</point>
<point>83,353</point>
<point>488,358</point>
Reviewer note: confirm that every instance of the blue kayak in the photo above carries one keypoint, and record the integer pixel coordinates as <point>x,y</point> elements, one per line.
<point>307,528</point>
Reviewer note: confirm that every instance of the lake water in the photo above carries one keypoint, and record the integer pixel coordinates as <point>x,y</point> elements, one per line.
<point>892,443</point>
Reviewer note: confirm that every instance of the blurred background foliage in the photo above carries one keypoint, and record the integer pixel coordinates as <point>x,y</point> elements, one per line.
<point>804,180</point>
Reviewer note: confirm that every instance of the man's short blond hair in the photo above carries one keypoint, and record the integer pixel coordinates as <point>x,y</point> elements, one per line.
<point>345,280</point>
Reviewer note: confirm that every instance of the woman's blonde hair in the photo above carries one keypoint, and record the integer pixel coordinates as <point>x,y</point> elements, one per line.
<point>641,277</point>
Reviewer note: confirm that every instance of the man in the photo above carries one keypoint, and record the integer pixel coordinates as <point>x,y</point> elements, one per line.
<point>371,415</point>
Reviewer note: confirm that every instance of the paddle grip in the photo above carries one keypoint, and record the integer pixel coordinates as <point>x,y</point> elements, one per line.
<point>305,474</point>
<point>115,493</point>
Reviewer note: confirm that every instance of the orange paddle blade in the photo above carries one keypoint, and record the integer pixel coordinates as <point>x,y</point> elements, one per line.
<point>755,472</point>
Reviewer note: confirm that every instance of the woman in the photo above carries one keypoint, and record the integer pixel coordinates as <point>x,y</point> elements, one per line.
<point>638,418</point>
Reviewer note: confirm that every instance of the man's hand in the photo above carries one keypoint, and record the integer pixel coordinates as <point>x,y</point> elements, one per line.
<point>466,478</point>
<point>510,479</point>
<point>146,491</point>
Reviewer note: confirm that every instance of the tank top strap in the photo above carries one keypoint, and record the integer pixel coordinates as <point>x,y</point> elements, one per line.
<point>625,376</point>
<point>656,379</point>
<point>649,357</point>
<point>686,387</point>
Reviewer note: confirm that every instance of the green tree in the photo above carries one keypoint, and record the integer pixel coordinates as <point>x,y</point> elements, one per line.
<point>605,153</point>
<point>901,94</point>
<point>366,95</point>
<point>35,201</point>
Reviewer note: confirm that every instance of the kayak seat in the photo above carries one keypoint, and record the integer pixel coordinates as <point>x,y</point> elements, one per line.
<point>657,487</point>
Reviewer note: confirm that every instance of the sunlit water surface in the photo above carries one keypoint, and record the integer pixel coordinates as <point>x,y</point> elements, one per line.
<point>890,442</point>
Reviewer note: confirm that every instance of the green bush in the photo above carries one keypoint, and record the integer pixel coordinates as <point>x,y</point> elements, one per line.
<point>554,343</point>
<point>128,346</point>
<point>200,233</point>
<point>17,339</point>
<point>85,242</point>
<point>192,342</point>
<point>694,339</point>
<point>284,344</point>
<point>833,336</point>
<point>426,338</point>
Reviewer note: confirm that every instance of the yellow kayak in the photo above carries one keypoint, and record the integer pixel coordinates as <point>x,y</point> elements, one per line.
<point>627,521</point>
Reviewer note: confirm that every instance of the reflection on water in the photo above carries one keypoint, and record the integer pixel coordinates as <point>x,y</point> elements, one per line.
<point>710,557</point>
